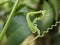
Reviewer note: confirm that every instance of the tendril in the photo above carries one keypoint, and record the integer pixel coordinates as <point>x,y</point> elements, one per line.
<point>32,25</point>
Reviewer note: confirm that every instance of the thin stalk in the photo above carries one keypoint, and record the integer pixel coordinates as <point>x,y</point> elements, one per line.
<point>9,20</point>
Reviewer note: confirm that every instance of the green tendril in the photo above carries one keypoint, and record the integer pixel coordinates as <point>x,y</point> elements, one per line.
<point>9,20</point>
<point>33,27</point>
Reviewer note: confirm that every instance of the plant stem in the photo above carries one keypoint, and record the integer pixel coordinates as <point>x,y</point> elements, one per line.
<point>9,20</point>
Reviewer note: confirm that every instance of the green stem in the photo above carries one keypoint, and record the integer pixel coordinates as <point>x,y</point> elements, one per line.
<point>9,20</point>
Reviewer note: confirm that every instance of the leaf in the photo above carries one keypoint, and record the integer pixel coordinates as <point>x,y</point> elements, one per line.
<point>18,30</point>
<point>48,20</point>
<point>55,4</point>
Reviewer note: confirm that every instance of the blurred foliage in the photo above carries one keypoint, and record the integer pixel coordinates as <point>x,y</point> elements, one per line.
<point>18,30</point>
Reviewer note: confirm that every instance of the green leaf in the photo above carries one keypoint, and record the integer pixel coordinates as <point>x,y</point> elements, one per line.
<point>44,24</point>
<point>55,6</point>
<point>18,30</point>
